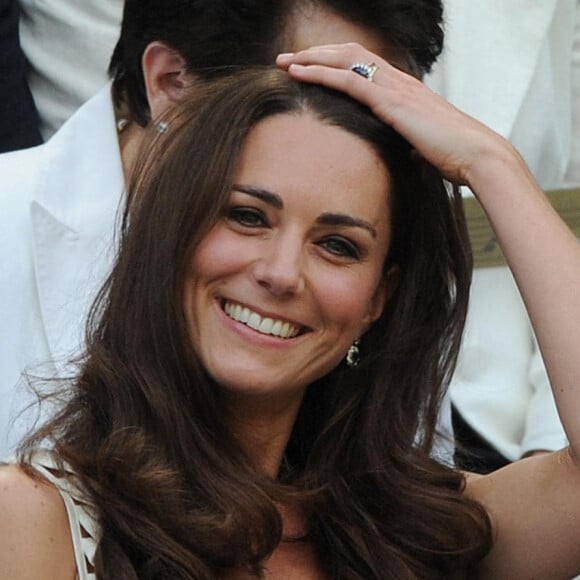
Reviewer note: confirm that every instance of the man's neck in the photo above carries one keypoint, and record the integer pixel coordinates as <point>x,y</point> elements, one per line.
<point>130,136</point>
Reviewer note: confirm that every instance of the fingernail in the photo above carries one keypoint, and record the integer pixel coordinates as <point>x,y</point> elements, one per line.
<point>284,55</point>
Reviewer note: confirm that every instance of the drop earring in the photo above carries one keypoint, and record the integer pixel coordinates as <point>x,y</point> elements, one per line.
<point>353,354</point>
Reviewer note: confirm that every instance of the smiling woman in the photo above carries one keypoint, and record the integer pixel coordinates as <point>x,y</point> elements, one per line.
<point>270,228</point>
<point>219,426</point>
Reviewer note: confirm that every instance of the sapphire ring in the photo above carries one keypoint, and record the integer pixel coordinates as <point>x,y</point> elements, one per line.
<point>365,70</point>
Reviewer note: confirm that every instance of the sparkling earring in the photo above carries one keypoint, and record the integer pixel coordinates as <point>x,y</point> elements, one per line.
<point>162,127</point>
<point>353,354</point>
<point>122,124</point>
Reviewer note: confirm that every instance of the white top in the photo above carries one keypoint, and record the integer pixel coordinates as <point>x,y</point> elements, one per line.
<point>84,528</point>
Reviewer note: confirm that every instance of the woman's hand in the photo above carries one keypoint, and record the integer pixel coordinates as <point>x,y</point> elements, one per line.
<point>455,143</point>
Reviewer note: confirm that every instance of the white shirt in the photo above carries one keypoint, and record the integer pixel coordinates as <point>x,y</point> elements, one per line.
<point>68,45</point>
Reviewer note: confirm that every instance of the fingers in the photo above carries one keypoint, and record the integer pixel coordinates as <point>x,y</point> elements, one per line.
<point>340,56</point>
<point>331,66</point>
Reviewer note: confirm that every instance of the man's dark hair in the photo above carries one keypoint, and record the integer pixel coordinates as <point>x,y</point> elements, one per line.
<point>216,36</point>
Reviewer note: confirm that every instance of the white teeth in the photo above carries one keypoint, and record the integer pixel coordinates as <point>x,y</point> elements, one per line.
<point>266,326</point>
<point>263,325</point>
<point>254,321</point>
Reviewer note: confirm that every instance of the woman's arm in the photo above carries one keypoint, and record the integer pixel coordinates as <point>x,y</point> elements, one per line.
<point>534,504</point>
<point>35,540</point>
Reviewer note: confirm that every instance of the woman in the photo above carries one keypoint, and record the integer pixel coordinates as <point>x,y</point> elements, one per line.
<point>282,320</point>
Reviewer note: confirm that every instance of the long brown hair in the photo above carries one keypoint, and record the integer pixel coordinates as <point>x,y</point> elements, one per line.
<point>145,428</point>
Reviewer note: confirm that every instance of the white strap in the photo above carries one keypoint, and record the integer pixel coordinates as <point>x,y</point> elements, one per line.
<point>84,528</point>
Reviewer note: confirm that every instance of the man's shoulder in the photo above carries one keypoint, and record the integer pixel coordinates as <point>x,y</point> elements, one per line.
<point>19,169</point>
<point>20,175</point>
<point>55,173</point>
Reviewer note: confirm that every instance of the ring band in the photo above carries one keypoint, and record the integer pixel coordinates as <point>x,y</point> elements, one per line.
<point>365,70</point>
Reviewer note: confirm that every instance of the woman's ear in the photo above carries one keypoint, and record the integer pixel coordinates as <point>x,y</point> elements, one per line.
<point>166,77</point>
<point>383,293</point>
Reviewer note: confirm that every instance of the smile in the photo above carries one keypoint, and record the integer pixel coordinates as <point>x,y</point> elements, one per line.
<point>280,328</point>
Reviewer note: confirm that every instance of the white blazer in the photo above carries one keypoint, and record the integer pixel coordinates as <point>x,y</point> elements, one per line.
<point>58,206</point>
<point>510,64</point>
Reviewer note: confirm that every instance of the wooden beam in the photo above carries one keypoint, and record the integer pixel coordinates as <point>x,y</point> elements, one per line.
<point>486,250</point>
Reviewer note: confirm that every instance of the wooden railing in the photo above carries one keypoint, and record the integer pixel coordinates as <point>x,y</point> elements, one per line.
<point>486,250</point>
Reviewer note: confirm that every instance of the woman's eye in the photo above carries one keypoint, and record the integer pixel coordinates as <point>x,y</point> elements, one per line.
<point>341,247</point>
<point>247,216</point>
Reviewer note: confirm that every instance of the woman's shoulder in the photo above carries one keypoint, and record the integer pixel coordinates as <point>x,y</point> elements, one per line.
<point>36,540</point>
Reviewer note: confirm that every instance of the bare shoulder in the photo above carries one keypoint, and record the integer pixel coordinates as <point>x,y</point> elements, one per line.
<point>36,540</point>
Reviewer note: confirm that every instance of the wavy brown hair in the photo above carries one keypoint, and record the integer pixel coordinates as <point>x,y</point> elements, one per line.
<point>145,428</point>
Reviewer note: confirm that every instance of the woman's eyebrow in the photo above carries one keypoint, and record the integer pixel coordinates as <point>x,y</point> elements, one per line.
<point>340,219</point>
<point>262,194</point>
<point>328,219</point>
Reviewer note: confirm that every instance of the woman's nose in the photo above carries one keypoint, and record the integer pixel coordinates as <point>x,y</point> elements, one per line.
<point>279,269</point>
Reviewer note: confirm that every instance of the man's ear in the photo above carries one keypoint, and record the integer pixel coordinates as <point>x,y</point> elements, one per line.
<point>165,75</point>
<point>382,295</point>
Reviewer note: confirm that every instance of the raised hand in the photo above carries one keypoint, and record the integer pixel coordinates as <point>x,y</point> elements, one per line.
<point>449,139</point>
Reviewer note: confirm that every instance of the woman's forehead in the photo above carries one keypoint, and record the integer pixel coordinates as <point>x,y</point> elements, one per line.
<point>302,159</point>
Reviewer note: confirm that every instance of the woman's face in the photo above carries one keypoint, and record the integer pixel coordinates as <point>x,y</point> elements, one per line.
<point>291,275</point>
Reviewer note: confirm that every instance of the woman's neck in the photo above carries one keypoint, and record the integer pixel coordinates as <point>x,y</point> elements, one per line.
<point>263,428</point>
